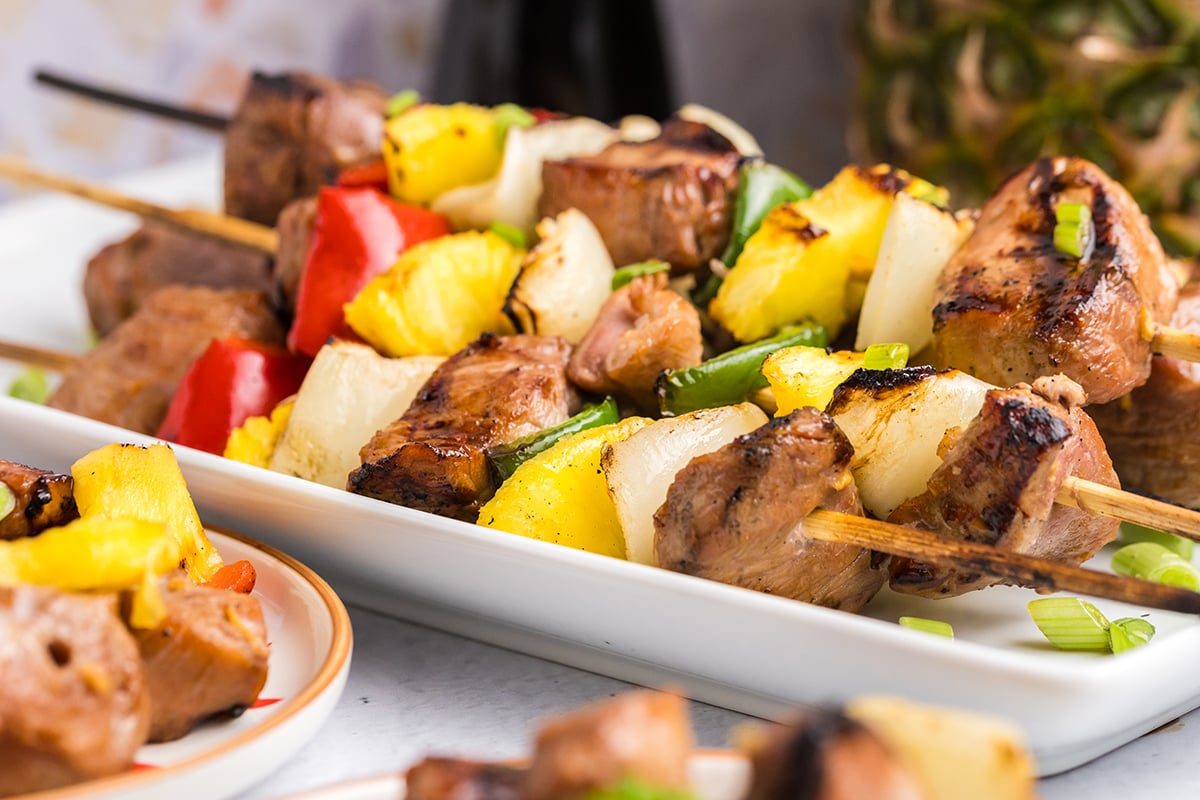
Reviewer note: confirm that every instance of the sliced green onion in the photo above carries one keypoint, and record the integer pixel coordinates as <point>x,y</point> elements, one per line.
<point>886,356</point>
<point>32,385</point>
<point>1074,233</point>
<point>933,626</point>
<point>400,102</point>
<point>507,457</point>
<point>510,233</point>
<point>8,500</point>
<point>730,377</point>
<point>510,115</point>
<point>631,788</point>
<point>1129,632</point>
<point>1153,562</point>
<point>761,187</point>
<point>1131,533</point>
<point>1070,623</point>
<point>630,271</point>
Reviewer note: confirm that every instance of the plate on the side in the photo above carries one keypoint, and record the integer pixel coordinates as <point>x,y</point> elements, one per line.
<point>727,646</point>
<point>310,639</point>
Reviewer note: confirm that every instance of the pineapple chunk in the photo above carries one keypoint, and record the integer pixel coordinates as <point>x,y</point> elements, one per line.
<point>126,481</point>
<point>807,376</point>
<point>256,439</point>
<point>438,297</point>
<point>952,753</point>
<point>430,149</point>
<point>560,495</point>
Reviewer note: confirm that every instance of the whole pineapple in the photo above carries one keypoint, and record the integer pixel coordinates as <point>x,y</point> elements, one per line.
<point>965,92</point>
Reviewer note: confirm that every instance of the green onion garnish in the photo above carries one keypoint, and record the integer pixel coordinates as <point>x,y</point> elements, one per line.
<point>886,356</point>
<point>761,187</point>
<point>631,788</point>
<point>1074,233</point>
<point>1131,533</point>
<point>730,377</point>
<point>510,233</point>
<point>507,457</point>
<point>32,385</point>
<point>1070,623</point>
<point>8,500</point>
<point>933,626</point>
<point>1153,562</point>
<point>1129,632</point>
<point>400,102</point>
<point>510,115</point>
<point>630,271</point>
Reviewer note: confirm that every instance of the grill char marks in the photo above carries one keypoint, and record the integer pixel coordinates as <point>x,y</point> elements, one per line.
<point>42,499</point>
<point>1009,307</point>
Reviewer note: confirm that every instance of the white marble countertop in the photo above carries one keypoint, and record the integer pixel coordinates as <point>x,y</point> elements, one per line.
<point>415,691</point>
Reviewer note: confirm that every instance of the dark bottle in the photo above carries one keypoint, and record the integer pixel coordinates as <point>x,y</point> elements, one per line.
<point>599,58</point>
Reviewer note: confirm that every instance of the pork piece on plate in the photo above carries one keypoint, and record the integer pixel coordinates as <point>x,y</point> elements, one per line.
<point>294,132</point>
<point>121,276</point>
<point>1010,307</point>
<point>459,779</point>
<point>642,329</point>
<point>669,198</point>
<point>295,228</point>
<point>997,483</point>
<point>640,736</point>
<point>1153,433</point>
<point>208,656</point>
<point>40,499</point>
<point>128,379</point>
<point>737,515</point>
<point>73,699</point>
<point>495,390</point>
<point>824,755</point>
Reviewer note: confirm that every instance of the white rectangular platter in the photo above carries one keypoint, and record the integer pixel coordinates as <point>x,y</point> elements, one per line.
<point>743,650</point>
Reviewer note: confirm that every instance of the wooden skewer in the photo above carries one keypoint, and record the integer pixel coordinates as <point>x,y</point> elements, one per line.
<point>1176,343</point>
<point>37,356</point>
<point>219,226</point>
<point>1023,570</point>
<point>202,119</point>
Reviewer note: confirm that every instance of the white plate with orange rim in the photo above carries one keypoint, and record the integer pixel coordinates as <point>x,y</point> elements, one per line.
<point>714,775</point>
<point>751,652</point>
<point>310,639</point>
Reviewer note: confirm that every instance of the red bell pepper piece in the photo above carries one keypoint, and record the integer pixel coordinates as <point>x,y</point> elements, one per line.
<point>233,380</point>
<point>240,576</point>
<point>358,234</point>
<point>372,174</point>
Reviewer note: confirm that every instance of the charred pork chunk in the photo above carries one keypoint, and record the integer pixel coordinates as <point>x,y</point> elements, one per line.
<point>669,198</point>
<point>641,737</point>
<point>73,700</point>
<point>825,755</point>
<point>41,499</point>
<point>295,228</point>
<point>129,378</point>
<point>208,656</point>
<point>495,390</point>
<point>998,482</point>
<point>737,515</point>
<point>642,329</point>
<point>293,133</point>
<point>121,276</point>
<point>1153,433</point>
<point>1010,307</point>
<point>459,779</point>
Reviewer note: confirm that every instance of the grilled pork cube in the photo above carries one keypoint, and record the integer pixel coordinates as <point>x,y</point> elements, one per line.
<point>824,755</point>
<point>737,515</point>
<point>295,228</point>
<point>495,390</point>
<point>642,329</point>
<point>1010,307</point>
<point>459,779</point>
<point>294,132</point>
<point>998,481</point>
<point>41,499</point>
<point>669,198</point>
<point>1153,434</point>
<point>208,656</point>
<point>73,699</point>
<point>640,736</point>
<point>129,378</point>
<point>121,276</point>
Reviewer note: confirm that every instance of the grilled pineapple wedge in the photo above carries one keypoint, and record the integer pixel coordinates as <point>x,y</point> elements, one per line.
<point>430,149</point>
<point>811,259</point>
<point>255,440</point>
<point>438,297</point>
<point>807,376</point>
<point>560,495</point>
